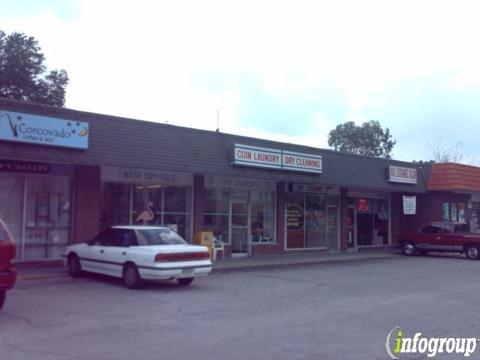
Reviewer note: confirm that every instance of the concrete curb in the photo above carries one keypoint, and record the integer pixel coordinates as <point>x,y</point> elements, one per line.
<point>329,261</point>
<point>267,264</point>
<point>41,276</point>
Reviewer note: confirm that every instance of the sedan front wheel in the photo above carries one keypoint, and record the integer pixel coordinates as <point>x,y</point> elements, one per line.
<point>74,266</point>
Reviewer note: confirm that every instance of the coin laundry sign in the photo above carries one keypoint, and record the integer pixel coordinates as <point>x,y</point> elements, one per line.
<point>35,129</point>
<point>276,159</point>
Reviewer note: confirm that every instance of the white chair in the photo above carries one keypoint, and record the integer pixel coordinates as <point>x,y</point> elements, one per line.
<point>218,245</point>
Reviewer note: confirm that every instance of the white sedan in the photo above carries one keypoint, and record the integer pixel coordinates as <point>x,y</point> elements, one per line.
<point>137,253</point>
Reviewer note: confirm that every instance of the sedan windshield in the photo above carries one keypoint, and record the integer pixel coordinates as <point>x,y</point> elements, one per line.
<point>159,237</point>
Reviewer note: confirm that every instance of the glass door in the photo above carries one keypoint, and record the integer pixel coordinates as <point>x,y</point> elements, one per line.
<point>48,217</point>
<point>240,228</point>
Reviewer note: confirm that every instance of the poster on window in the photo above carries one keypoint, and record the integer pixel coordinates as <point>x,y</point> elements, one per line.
<point>294,216</point>
<point>409,205</point>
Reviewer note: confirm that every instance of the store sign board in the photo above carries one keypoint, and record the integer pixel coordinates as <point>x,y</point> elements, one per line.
<point>409,205</point>
<point>256,156</point>
<point>359,193</point>
<point>24,167</point>
<point>144,176</point>
<point>402,175</point>
<point>43,130</point>
<point>309,188</point>
<point>301,162</point>
<point>276,159</point>
<point>238,183</point>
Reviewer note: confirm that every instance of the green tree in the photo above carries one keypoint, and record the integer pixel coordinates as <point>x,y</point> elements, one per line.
<point>369,139</point>
<point>23,76</point>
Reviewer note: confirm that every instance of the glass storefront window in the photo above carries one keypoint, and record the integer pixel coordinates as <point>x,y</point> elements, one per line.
<point>168,206</point>
<point>48,217</point>
<point>315,221</point>
<point>453,211</point>
<point>175,199</point>
<point>12,189</point>
<point>461,213</point>
<point>216,216</point>
<point>115,205</point>
<point>262,216</point>
<point>38,212</point>
<point>474,217</point>
<point>446,211</point>
<point>218,223</point>
<point>147,204</point>
<point>311,221</point>
<point>252,209</point>
<point>295,208</point>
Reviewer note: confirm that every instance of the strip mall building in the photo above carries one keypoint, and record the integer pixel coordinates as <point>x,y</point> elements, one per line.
<point>65,175</point>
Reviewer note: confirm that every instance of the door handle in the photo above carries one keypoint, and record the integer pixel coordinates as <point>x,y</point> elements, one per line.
<point>124,253</point>
<point>438,238</point>
<point>102,251</point>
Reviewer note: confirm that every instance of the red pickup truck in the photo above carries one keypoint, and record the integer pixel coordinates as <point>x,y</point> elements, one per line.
<point>8,272</point>
<point>441,237</point>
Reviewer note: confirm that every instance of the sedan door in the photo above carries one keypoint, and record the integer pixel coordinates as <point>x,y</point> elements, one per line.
<point>117,253</point>
<point>93,257</point>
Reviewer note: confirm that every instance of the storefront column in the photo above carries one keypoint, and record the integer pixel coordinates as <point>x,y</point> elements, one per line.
<point>86,218</point>
<point>396,214</point>
<point>343,219</point>
<point>281,215</point>
<point>198,202</point>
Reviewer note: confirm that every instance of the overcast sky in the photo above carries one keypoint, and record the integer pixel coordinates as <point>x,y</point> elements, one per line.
<point>284,70</point>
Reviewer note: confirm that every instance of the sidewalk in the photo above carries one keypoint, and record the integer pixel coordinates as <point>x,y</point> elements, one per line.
<point>276,261</point>
<point>51,271</point>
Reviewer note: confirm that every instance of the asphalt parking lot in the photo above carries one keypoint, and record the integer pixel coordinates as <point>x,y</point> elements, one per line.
<point>321,311</point>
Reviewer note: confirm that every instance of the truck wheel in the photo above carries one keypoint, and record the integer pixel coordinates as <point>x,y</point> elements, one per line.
<point>409,248</point>
<point>3,295</point>
<point>472,252</point>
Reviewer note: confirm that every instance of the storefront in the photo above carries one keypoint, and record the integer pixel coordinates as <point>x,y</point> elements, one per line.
<point>311,214</point>
<point>147,197</point>
<point>66,175</point>
<point>240,212</point>
<point>36,203</point>
<point>368,219</point>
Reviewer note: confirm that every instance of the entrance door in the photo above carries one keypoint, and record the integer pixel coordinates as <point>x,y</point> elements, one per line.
<point>239,228</point>
<point>364,229</point>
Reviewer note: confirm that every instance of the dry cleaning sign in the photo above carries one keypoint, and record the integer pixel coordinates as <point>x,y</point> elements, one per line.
<point>43,130</point>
